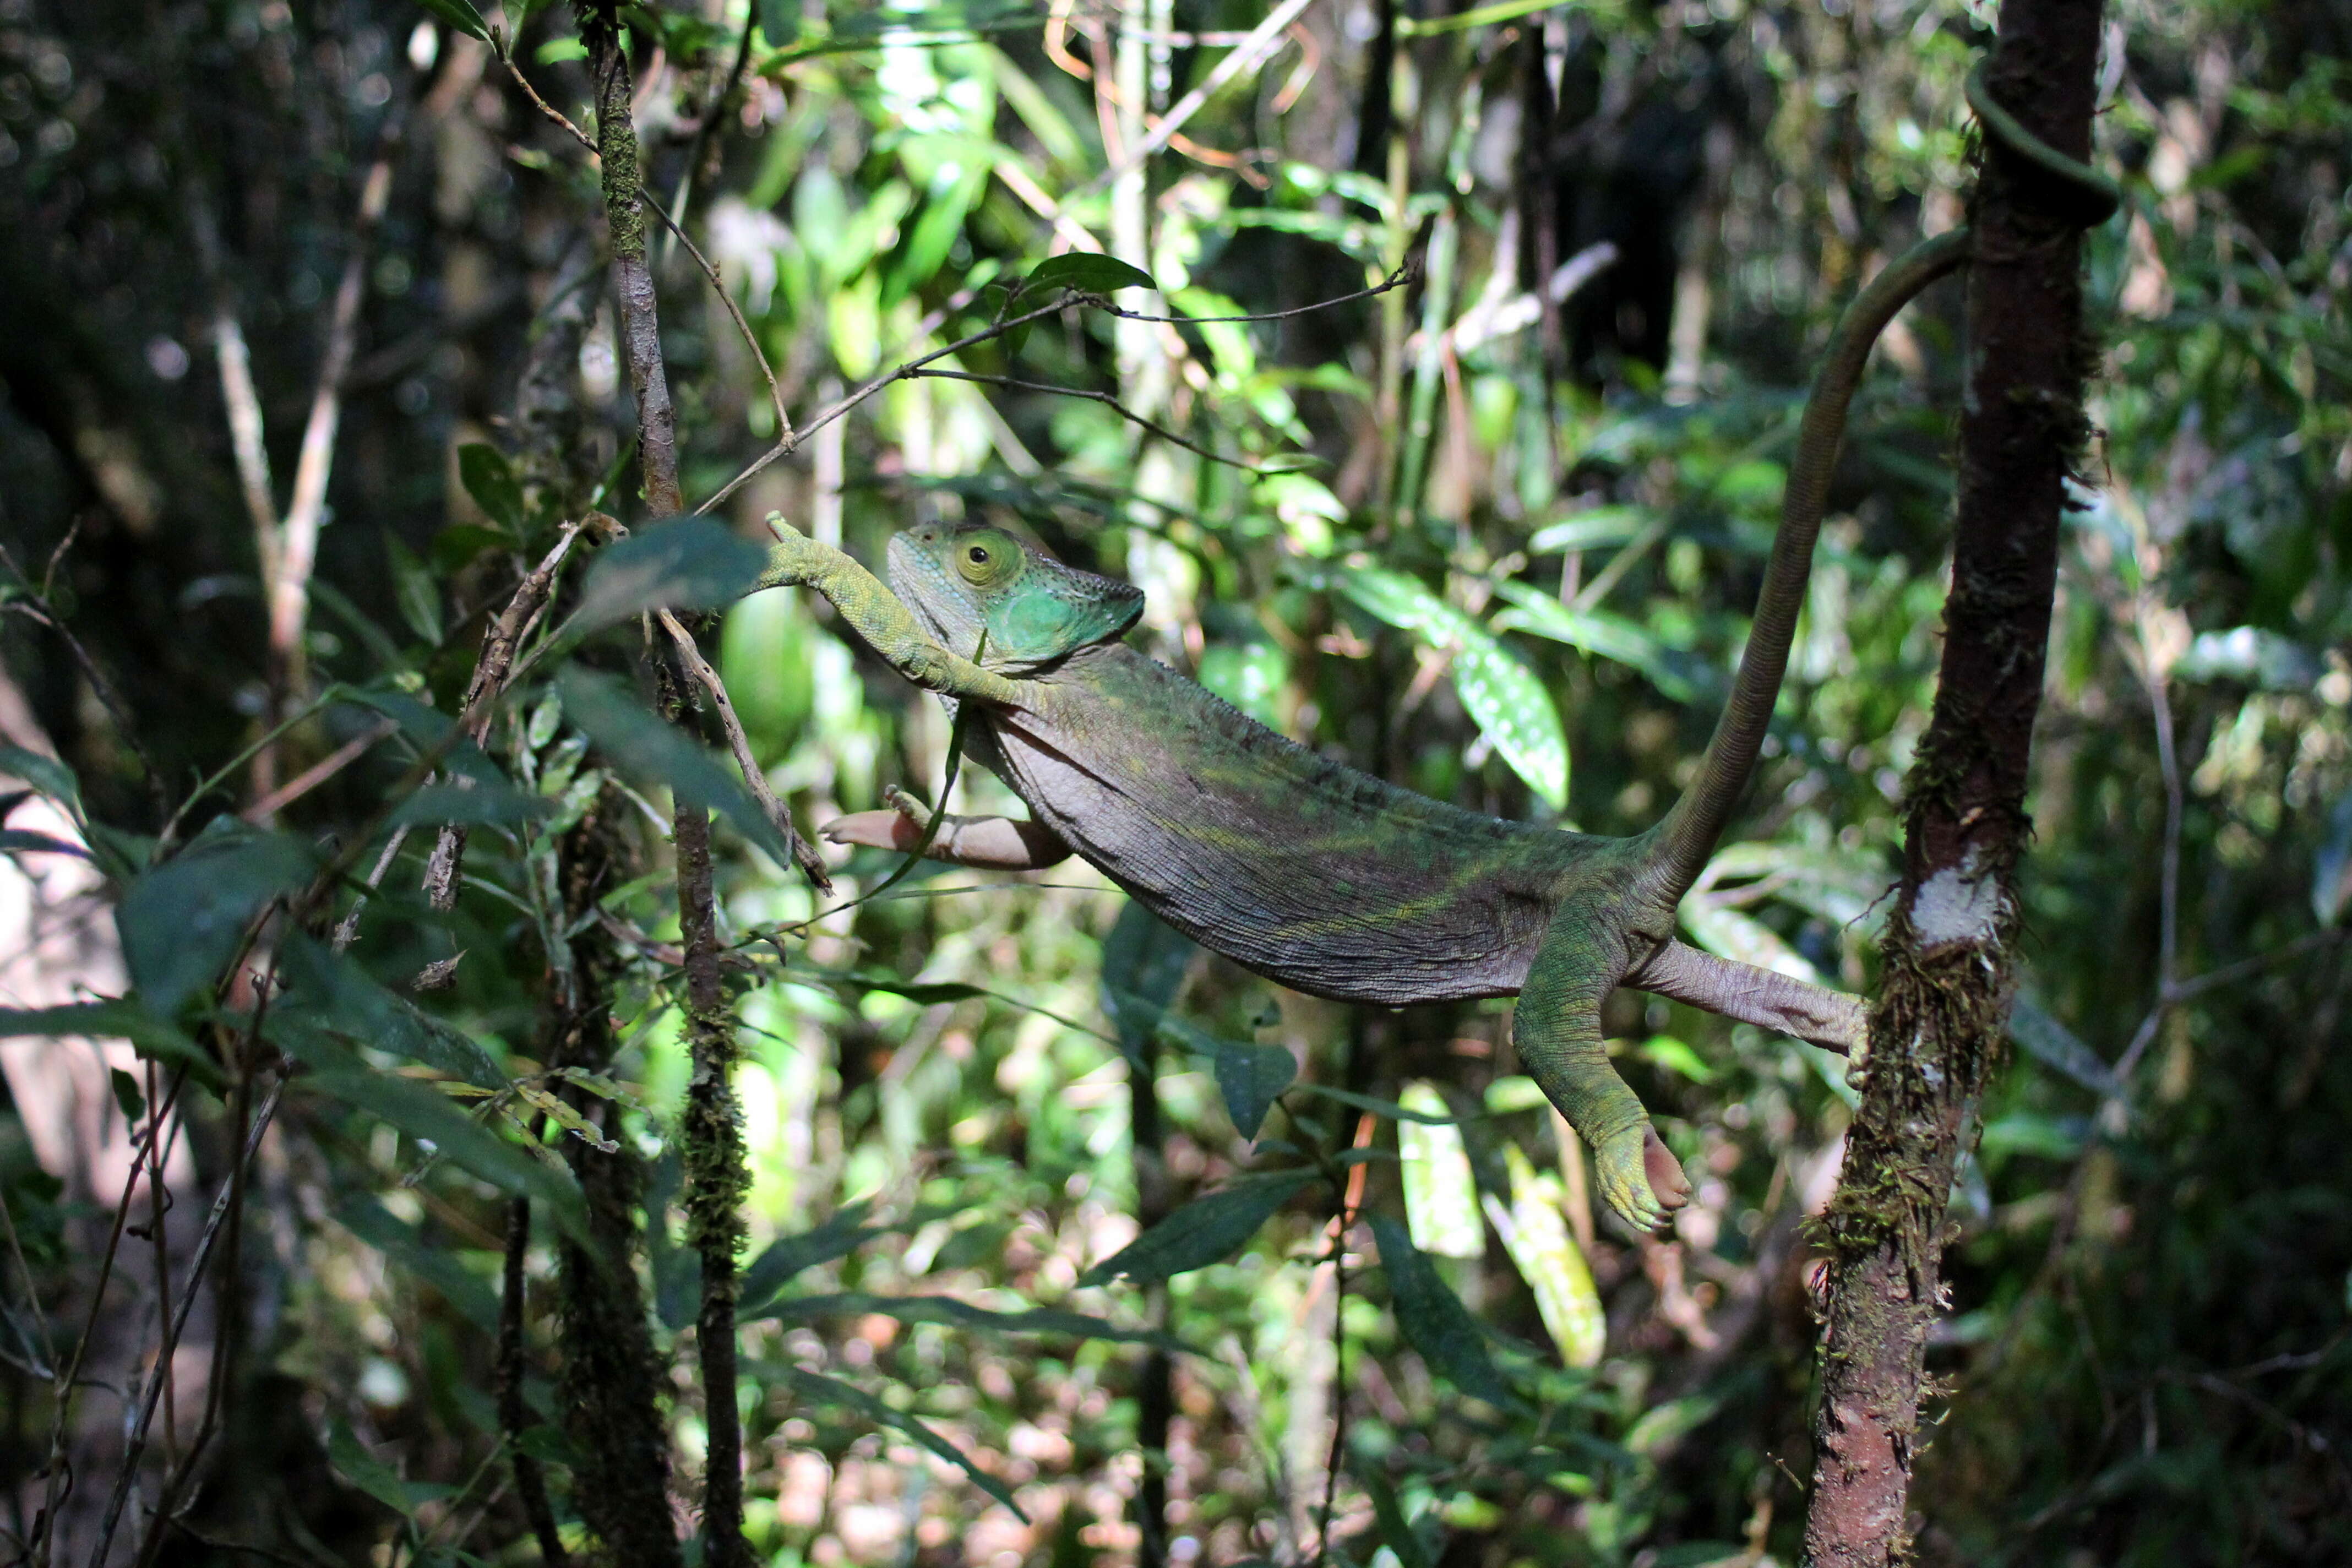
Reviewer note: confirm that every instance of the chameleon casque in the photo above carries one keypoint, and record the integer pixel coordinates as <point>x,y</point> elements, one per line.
<point>1315,875</point>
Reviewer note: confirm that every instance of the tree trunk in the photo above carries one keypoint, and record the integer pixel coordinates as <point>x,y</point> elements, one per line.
<point>1938,1023</point>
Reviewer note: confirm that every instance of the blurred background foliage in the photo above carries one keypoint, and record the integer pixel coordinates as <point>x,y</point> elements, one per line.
<point>1490,539</point>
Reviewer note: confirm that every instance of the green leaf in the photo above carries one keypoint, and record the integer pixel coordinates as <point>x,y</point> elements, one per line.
<point>1662,1425</point>
<point>821,1389</point>
<point>1201,1233</point>
<point>427,1115</point>
<point>1440,1196</point>
<point>963,1314</point>
<point>637,742</point>
<point>555,51</point>
<point>1676,675</point>
<point>378,1480</point>
<point>1396,1531</point>
<point>50,777</point>
<point>1387,1109</point>
<point>1511,707</point>
<point>120,1019</point>
<point>1144,960</point>
<point>490,479</point>
<point>788,1256</point>
<point>23,841</point>
<point>1535,1232</point>
<point>415,590</point>
<point>780,21</point>
<point>127,1098</point>
<point>327,989</point>
<point>690,564</point>
<point>374,1224</point>
<point>1512,1094</point>
<point>2331,869</point>
<point>1250,1076</point>
<point>1432,1319</point>
<point>466,800</point>
<point>460,14</point>
<point>1088,272</point>
<point>181,921</point>
<point>1594,529</point>
<point>1675,1057</point>
<point>2054,1045</point>
<point>458,546</point>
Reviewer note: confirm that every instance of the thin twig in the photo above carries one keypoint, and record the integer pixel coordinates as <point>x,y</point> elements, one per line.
<point>1107,399</point>
<point>529,1483</point>
<point>245,436</point>
<point>108,696</point>
<point>1409,273</point>
<point>348,927</point>
<point>755,777</point>
<point>156,1233</point>
<point>319,773</point>
<point>726,297</point>
<point>1262,41</point>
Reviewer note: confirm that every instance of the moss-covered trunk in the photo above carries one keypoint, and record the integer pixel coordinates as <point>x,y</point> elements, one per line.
<point>1937,1027</point>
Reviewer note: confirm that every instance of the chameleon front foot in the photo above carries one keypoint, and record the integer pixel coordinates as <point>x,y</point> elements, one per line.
<point>1640,1178</point>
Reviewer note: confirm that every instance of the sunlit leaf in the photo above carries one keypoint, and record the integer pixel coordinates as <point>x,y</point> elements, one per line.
<point>1203,1232</point>
<point>1511,706</point>
<point>1535,1232</point>
<point>1440,1197</point>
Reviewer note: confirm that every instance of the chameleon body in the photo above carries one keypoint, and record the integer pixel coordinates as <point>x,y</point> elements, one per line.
<point>1317,876</point>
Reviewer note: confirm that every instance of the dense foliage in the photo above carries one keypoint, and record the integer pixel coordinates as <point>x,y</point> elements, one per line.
<point>1491,539</point>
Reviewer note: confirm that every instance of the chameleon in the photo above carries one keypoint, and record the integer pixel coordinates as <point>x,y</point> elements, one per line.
<point>1317,876</point>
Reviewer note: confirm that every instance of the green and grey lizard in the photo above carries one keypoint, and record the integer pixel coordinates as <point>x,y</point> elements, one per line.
<point>1322,877</point>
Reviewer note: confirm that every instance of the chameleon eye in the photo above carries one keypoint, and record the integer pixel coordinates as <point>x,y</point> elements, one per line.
<point>980,561</point>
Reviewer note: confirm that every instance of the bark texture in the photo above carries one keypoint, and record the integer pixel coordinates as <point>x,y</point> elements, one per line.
<point>1935,1030</point>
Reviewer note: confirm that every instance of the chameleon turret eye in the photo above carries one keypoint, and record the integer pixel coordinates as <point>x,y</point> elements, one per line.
<point>985,559</point>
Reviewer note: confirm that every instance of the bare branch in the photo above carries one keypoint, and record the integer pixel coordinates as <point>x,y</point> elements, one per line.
<point>755,778</point>
<point>1261,43</point>
<point>1105,398</point>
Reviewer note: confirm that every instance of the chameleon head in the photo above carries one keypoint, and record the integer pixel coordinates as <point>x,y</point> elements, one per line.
<point>965,579</point>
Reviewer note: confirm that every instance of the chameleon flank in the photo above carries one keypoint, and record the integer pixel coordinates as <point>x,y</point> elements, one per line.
<point>1322,877</point>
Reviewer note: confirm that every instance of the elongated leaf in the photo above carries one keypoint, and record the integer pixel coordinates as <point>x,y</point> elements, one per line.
<point>1432,1319</point>
<point>425,728</point>
<point>639,743</point>
<point>331,990</point>
<point>1535,1231</point>
<point>427,1115</point>
<point>23,841</point>
<point>1387,1109</point>
<point>963,1314</point>
<point>822,1390</point>
<point>2054,1046</point>
<point>1388,1514</point>
<point>121,1020</point>
<point>415,590</point>
<point>1600,527</point>
<point>181,923</point>
<point>690,564</point>
<point>1201,1233</point>
<point>1144,960</point>
<point>482,468</point>
<point>1087,272</point>
<point>1440,1197</point>
<point>1676,674</point>
<point>1252,1076</point>
<point>495,804</point>
<point>379,1480</point>
<point>1511,707</point>
<point>51,777</point>
<point>437,1265</point>
<point>788,1256</point>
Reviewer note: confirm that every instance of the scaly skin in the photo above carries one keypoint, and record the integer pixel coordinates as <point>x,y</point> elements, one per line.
<point>1320,877</point>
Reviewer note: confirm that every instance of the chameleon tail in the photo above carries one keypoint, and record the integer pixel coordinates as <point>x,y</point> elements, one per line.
<point>1683,843</point>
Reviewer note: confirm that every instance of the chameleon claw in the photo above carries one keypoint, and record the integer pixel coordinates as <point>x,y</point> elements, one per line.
<point>1640,1178</point>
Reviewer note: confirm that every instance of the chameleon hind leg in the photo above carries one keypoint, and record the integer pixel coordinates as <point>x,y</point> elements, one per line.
<point>1557,1029</point>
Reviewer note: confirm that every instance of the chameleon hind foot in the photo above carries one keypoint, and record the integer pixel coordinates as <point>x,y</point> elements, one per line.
<point>1640,1178</point>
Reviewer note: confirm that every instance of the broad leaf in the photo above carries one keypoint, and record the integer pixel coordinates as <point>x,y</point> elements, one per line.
<point>819,1389</point>
<point>692,563</point>
<point>330,990</point>
<point>1201,1233</point>
<point>1252,1076</point>
<point>1511,707</point>
<point>181,921</point>
<point>1432,1319</point>
<point>1144,960</point>
<point>640,743</point>
<point>1089,272</point>
<point>50,777</point>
